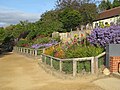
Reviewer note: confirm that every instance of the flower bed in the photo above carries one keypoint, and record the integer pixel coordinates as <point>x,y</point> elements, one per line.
<point>37,43</point>
<point>74,49</point>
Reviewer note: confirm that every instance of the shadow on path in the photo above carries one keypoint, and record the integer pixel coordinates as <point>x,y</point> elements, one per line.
<point>5,54</point>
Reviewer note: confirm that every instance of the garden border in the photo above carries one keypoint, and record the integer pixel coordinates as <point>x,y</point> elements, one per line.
<point>34,53</point>
<point>94,62</point>
<point>29,51</point>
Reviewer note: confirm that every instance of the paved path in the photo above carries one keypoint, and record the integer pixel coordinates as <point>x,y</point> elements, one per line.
<point>109,83</point>
<point>18,72</point>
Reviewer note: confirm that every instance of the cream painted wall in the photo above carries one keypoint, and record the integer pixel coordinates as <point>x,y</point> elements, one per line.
<point>109,20</point>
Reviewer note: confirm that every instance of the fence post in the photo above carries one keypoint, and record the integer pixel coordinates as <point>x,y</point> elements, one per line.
<point>30,52</point>
<point>92,65</point>
<point>27,51</point>
<point>60,64</point>
<point>51,64</point>
<point>36,52</point>
<point>96,64</point>
<point>43,50</point>
<point>20,50</point>
<point>74,67</point>
<point>23,50</point>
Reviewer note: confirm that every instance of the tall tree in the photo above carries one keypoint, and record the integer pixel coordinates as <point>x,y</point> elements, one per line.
<point>70,18</point>
<point>2,34</point>
<point>62,4</point>
<point>105,5</point>
<point>49,22</point>
<point>74,4</point>
<point>116,3</point>
<point>89,12</point>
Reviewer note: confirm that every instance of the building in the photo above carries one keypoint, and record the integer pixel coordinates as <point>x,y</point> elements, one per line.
<point>107,17</point>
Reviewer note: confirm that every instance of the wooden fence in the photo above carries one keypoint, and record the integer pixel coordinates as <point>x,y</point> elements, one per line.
<point>64,65</point>
<point>60,63</point>
<point>28,51</point>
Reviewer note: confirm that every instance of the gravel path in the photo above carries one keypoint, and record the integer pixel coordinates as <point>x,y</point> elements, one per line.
<point>109,83</point>
<point>18,72</point>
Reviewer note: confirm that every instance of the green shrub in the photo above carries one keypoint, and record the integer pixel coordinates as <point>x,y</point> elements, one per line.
<point>80,66</point>
<point>48,61</point>
<point>83,65</point>
<point>67,66</point>
<point>22,43</point>
<point>87,66</point>
<point>39,52</point>
<point>42,40</point>
<point>100,62</point>
<point>31,35</point>
<point>87,51</point>
<point>56,64</point>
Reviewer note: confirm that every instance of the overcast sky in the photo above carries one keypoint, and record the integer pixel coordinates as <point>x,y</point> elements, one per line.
<point>13,11</point>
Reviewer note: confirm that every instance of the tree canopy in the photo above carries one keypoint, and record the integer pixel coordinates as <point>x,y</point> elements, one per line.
<point>88,12</point>
<point>2,34</point>
<point>116,3</point>
<point>67,15</point>
<point>105,5</point>
<point>70,18</point>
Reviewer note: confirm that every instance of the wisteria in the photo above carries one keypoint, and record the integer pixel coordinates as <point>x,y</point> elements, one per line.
<point>104,36</point>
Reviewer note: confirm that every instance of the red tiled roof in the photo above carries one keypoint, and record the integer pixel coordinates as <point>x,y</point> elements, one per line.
<point>109,13</point>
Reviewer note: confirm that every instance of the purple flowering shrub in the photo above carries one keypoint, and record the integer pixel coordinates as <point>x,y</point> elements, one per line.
<point>104,36</point>
<point>43,42</point>
<point>37,46</point>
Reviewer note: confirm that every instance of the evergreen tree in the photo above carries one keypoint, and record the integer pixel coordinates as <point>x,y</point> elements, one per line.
<point>116,3</point>
<point>105,5</point>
